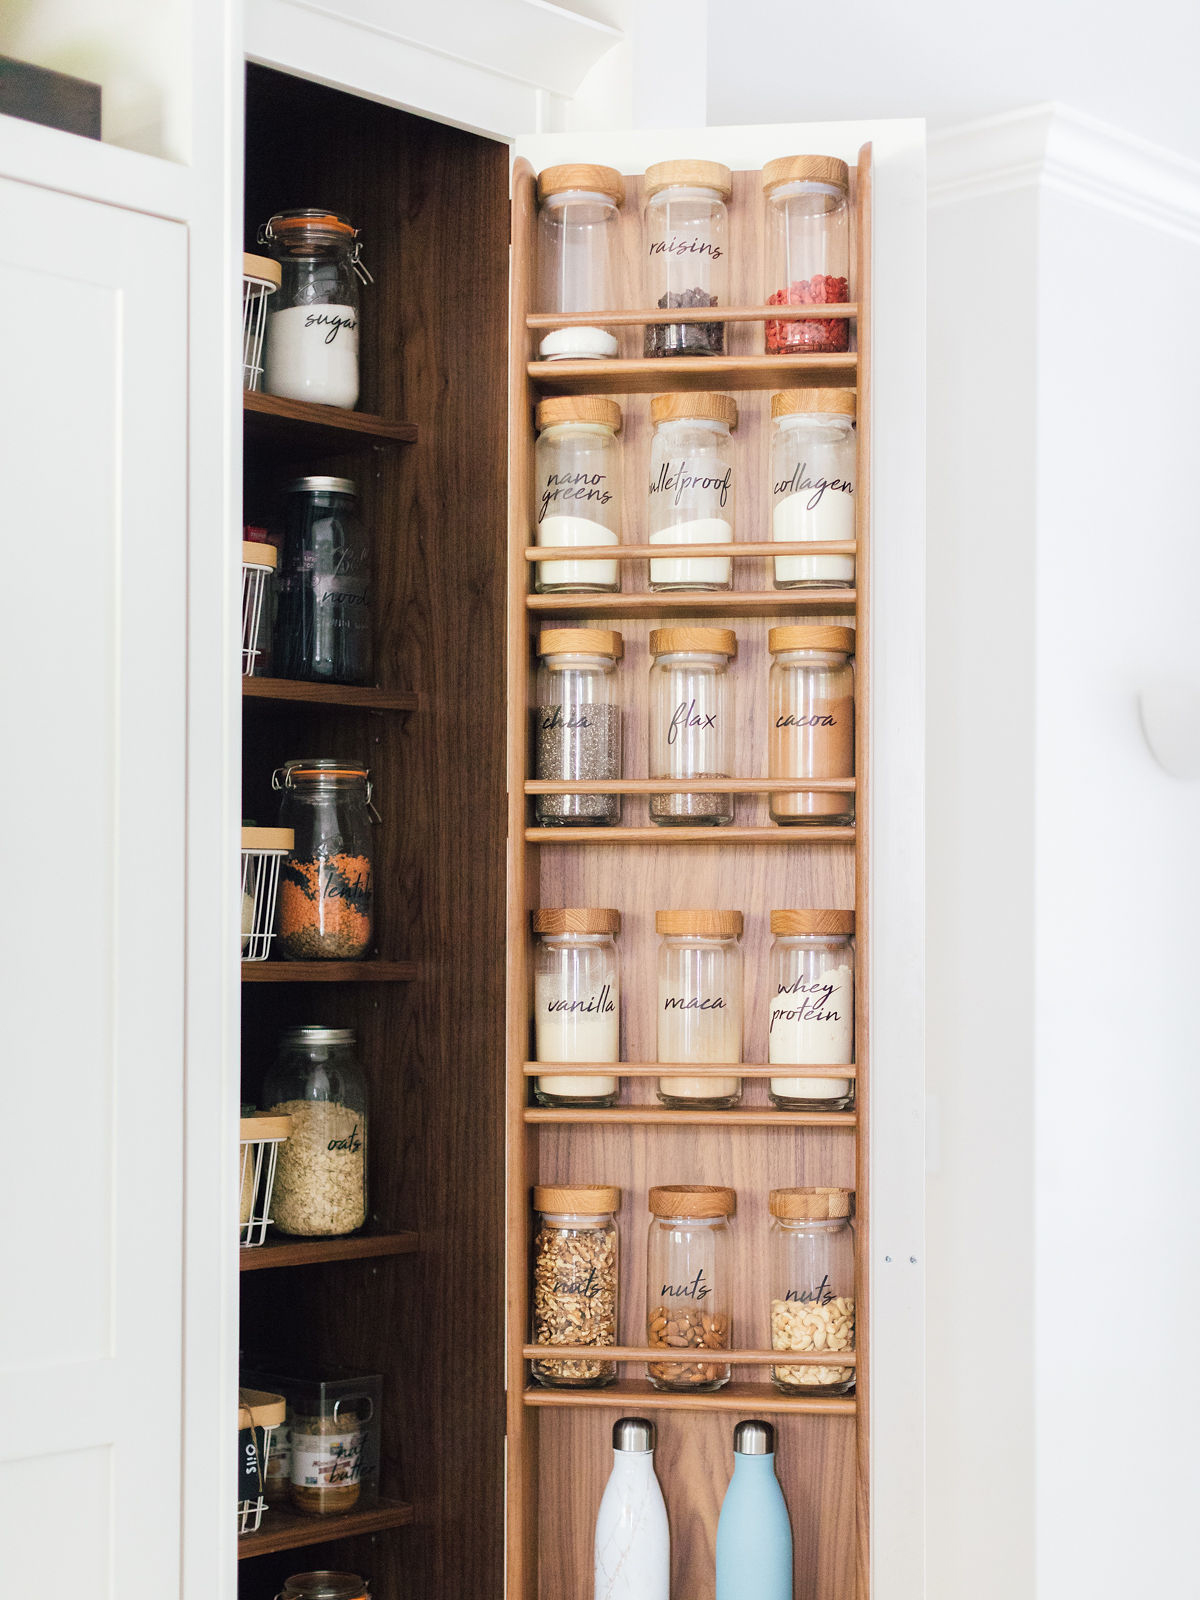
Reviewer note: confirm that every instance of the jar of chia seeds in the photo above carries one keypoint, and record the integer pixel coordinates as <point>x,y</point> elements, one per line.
<point>326,889</point>
<point>686,253</point>
<point>807,250</point>
<point>577,724</point>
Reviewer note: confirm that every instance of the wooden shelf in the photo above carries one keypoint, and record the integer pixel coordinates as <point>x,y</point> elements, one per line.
<point>719,603</point>
<point>284,1252</point>
<point>640,319</point>
<point>734,1358</point>
<point>748,1398</point>
<point>730,834</point>
<point>743,549</point>
<point>329,971</point>
<point>298,424</point>
<point>292,1530</point>
<point>655,374</point>
<point>687,785</point>
<point>286,691</point>
<point>674,1069</point>
<point>664,1117</point>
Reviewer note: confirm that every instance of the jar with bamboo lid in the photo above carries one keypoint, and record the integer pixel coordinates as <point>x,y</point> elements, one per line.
<point>577,490</point>
<point>575,1280</point>
<point>811,731</point>
<point>578,213</point>
<point>813,471</point>
<point>686,247</point>
<point>689,1290</point>
<point>577,724</point>
<point>807,250</point>
<point>691,493</point>
<point>811,1265</point>
<point>576,1002</point>
<point>699,1005</point>
<point>810,1018</point>
<point>691,723</point>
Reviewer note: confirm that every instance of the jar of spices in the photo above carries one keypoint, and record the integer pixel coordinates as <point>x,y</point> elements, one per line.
<point>812,1287</point>
<point>577,474</point>
<point>699,1004</point>
<point>324,1586</point>
<point>312,326</point>
<point>578,216</point>
<point>689,1295</point>
<point>321,1168</point>
<point>691,721</point>
<point>326,898</point>
<point>813,454</point>
<point>576,1001</point>
<point>691,496</point>
<point>575,1271</point>
<point>577,724</point>
<point>687,253</point>
<point>812,720</point>
<point>811,1017</point>
<point>807,250</point>
<point>323,621</point>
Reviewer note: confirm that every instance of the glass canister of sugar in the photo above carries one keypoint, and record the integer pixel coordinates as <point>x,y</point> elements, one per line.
<point>312,326</point>
<point>579,209</point>
<point>577,490</point>
<point>691,492</point>
<point>811,1016</point>
<point>576,1002</point>
<point>577,724</point>
<point>811,732</point>
<point>699,1005</point>
<point>813,469</point>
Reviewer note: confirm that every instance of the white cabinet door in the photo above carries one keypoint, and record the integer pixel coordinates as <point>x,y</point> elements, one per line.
<point>93,420</point>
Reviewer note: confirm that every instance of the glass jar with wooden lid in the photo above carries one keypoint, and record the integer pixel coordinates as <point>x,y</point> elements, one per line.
<point>812,1287</point>
<point>691,722</point>
<point>575,1279</point>
<point>689,1288</point>
<point>576,1001</point>
<point>813,471</point>
<point>578,213</point>
<point>691,493</point>
<point>577,724</point>
<point>806,249</point>
<point>811,733</point>
<point>686,247</point>
<point>699,1005</point>
<point>810,1018</point>
<point>577,490</point>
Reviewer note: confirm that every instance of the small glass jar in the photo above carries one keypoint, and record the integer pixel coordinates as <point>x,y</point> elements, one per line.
<point>323,620</point>
<point>812,1287</point>
<point>324,1586</point>
<point>691,721</point>
<point>312,324</point>
<point>699,1004</point>
<point>689,1289</point>
<point>321,1171</point>
<point>813,456</point>
<point>687,253</point>
<point>575,1280</point>
<point>577,724</point>
<point>326,894</point>
<point>811,721</point>
<point>579,211</point>
<point>577,474</point>
<point>576,1001</point>
<point>807,250</point>
<point>811,1007</point>
<point>691,493</point>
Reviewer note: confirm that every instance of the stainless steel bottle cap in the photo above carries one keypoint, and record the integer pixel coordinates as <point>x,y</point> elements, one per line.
<point>310,1034</point>
<point>633,1434</point>
<point>754,1439</point>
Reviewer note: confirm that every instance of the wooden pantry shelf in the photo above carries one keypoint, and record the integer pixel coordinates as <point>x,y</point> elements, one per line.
<point>656,374</point>
<point>744,1358</point>
<point>278,1252</point>
<point>688,785</point>
<point>364,697</point>
<point>668,1069</point>
<point>640,319</point>
<point>275,422</point>
<point>712,603</point>
<point>748,1398</point>
<point>329,971</point>
<point>738,549</point>
<point>730,834</point>
<point>292,1530</point>
<point>663,1117</point>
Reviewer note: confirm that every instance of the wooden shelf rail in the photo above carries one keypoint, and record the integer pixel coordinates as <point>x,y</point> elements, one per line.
<point>329,971</point>
<point>730,834</point>
<point>639,319</point>
<point>660,1069</point>
<point>712,603</point>
<point>292,1530</point>
<point>689,785</point>
<point>664,1117</point>
<point>748,1398</point>
<point>272,420</point>
<point>739,550</point>
<point>656,374</point>
<point>287,691</point>
<point>743,1358</point>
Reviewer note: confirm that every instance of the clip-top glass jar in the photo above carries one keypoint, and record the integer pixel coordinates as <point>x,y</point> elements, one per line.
<point>575,1279</point>
<point>576,1001</point>
<point>691,721</point>
<point>326,893</point>
<point>811,720</point>
<point>813,455</point>
<point>699,1004</point>
<point>577,476</point>
<point>323,623</point>
<point>577,724</point>
<point>577,239</point>
<point>811,1006</point>
<point>812,1287</point>
<point>807,250</point>
<point>687,253</point>
<point>312,326</point>
<point>691,495</point>
<point>321,1172</point>
<point>689,1290</point>
<point>324,1586</point>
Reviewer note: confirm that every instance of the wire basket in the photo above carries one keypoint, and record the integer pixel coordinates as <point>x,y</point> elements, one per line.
<point>258,566</point>
<point>259,1416</point>
<point>263,849</point>
<point>260,279</point>
<point>261,1137</point>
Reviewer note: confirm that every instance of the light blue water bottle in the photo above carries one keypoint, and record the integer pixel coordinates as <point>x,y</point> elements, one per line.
<point>754,1535</point>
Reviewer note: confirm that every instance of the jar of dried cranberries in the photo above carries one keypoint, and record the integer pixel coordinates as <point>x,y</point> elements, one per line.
<point>807,250</point>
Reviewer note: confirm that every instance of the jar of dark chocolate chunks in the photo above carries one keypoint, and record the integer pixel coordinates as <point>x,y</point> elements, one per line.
<point>687,253</point>
<point>577,724</point>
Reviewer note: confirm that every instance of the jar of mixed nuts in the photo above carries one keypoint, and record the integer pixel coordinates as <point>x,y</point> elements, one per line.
<point>688,1284</point>
<point>691,721</point>
<point>576,1001</point>
<point>321,1172</point>
<point>575,1274</point>
<point>811,733</point>
<point>812,1286</point>
<point>577,724</point>
<point>687,253</point>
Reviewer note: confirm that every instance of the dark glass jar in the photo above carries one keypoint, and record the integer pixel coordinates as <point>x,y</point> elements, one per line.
<point>323,626</point>
<point>326,894</point>
<point>312,324</point>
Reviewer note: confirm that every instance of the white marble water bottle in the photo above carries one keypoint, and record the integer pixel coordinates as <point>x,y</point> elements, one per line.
<point>633,1541</point>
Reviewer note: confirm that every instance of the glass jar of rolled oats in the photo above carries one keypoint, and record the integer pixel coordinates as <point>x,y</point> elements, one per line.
<point>575,1276</point>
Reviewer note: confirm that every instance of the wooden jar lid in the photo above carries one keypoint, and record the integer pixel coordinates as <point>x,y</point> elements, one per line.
<point>813,638</point>
<point>580,642</point>
<point>812,922</point>
<point>714,641</point>
<point>582,1199</point>
<point>576,919</point>
<point>806,169</point>
<point>692,1200</point>
<point>259,1409</point>
<point>578,408</point>
<point>706,404</point>
<point>812,1205</point>
<point>262,1126</point>
<point>268,839</point>
<point>581,175</point>
<point>720,924</point>
<point>688,175</point>
<point>255,554</point>
<point>263,269</point>
<point>804,402</point>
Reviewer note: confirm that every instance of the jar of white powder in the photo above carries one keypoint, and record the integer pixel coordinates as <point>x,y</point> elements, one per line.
<point>576,1001</point>
<point>312,326</point>
<point>813,470</point>
<point>811,1006</point>
<point>691,491</point>
<point>577,490</point>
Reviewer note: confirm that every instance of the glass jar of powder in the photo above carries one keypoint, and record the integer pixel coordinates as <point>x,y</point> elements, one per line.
<point>687,253</point>
<point>811,1001</point>
<point>691,493</point>
<point>576,1001</point>
<point>577,490</point>
<point>811,733</point>
<point>577,724</point>
<point>699,1005</point>
<point>312,324</point>
<point>813,454</point>
<point>575,1277</point>
<point>691,722</point>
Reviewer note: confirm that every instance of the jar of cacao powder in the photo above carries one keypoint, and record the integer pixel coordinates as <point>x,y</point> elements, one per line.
<point>575,1280</point>
<point>577,724</point>
<point>807,250</point>
<point>686,253</point>
<point>811,732</point>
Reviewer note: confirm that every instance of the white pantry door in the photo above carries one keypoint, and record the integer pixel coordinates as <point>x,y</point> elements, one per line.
<point>93,419</point>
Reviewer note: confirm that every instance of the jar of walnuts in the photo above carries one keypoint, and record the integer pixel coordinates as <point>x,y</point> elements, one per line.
<point>575,1274</point>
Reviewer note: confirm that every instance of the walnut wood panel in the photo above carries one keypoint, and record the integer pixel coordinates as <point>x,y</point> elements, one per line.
<point>270,420</point>
<point>360,697</point>
<point>281,1251</point>
<point>328,971</point>
<point>746,1399</point>
<point>293,1530</point>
